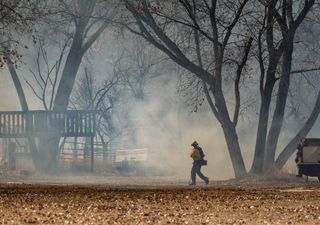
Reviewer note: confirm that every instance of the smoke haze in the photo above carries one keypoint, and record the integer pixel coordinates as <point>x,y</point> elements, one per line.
<point>164,117</point>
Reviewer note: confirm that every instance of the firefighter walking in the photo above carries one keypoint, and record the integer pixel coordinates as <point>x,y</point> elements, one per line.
<point>198,161</point>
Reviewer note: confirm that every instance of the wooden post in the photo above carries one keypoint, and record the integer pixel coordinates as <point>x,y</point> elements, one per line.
<point>75,149</point>
<point>12,156</point>
<point>92,154</point>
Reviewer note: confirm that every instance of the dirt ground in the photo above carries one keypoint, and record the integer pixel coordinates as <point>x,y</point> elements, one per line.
<point>128,200</point>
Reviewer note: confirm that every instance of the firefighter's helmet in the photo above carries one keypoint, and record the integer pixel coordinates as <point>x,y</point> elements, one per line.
<point>194,143</point>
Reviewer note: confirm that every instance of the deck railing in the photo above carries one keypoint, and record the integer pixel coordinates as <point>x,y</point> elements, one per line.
<point>71,123</point>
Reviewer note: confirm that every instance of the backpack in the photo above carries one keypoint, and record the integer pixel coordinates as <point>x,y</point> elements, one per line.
<point>201,152</point>
<point>203,162</point>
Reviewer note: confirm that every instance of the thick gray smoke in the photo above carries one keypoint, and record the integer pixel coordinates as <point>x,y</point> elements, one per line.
<point>169,128</point>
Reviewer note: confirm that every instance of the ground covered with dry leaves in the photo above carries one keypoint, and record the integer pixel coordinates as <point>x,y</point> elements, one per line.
<point>112,200</point>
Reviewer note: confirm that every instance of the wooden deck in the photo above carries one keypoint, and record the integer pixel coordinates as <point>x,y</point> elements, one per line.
<point>72,123</point>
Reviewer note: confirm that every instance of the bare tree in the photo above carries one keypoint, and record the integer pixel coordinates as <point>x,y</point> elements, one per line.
<point>85,31</point>
<point>44,88</point>
<point>278,14</point>
<point>93,94</point>
<point>138,64</point>
<point>18,17</point>
<point>305,71</point>
<point>47,74</point>
<point>156,22</point>
<point>216,33</point>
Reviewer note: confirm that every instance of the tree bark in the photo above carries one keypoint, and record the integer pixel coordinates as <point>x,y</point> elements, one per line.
<point>231,136</point>
<point>266,87</point>
<point>234,149</point>
<point>288,33</point>
<point>279,111</point>
<point>68,76</point>
<point>257,164</point>
<point>266,95</point>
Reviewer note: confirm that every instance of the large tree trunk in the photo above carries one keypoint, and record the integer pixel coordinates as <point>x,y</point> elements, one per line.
<point>266,89</point>
<point>68,76</point>
<point>257,164</point>
<point>234,149</point>
<point>69,73</point>
<point>78,48</point>
<point>17,85</point>
<point>231,136</point>
<point>279,111</point>
<point>266,95</point>
<point>48,152</point>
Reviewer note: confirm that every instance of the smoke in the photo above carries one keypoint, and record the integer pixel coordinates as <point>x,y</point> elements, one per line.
<point>163,119</point>
<point>167,128</point>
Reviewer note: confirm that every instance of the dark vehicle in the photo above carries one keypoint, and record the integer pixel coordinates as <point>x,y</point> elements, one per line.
<point>310,162</point>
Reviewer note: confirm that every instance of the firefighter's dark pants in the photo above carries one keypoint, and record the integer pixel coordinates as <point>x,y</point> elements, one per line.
<point>196,169</point>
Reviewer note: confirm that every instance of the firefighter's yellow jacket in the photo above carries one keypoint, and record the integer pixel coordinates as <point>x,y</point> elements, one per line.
<point>195,154</point>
